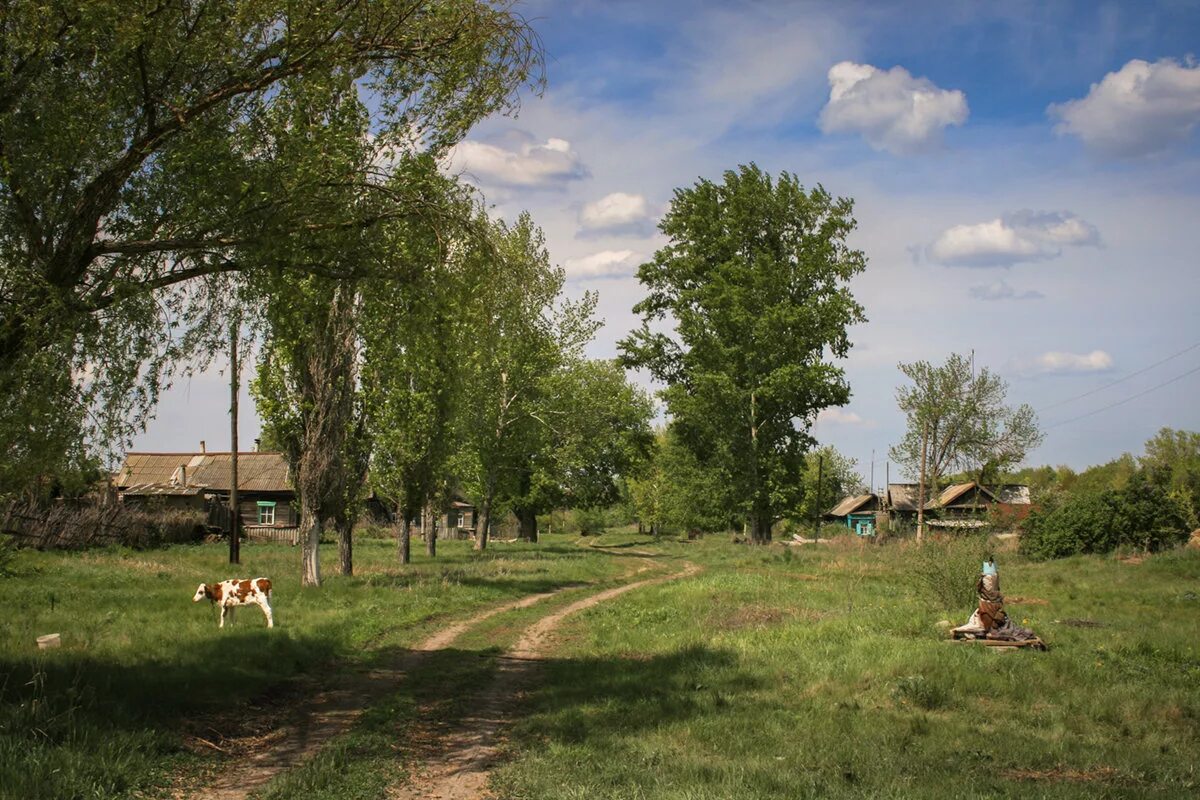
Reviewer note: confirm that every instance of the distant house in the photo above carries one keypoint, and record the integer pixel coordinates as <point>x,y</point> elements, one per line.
<point>857,512</point>
<point>960,501</point>
<point>202,481</point>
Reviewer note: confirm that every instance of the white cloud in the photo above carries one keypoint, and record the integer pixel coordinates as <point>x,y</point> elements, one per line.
<point>1139,110</point>
<point>525,164</point>
<point>1001,290</point>
<point>1061,363</point>
<point>618,212</point>
<point>891,109</point>
<point>1015,237</point>
<point>605,264</point>
<point>839,417</point>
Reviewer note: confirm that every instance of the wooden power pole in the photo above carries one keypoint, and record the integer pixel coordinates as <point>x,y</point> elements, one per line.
<point>235,385</point>
<point>820,480</point>
<point>921,485</point>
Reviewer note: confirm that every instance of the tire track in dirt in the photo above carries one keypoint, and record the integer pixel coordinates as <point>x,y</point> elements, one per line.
<point>333,711</point>
<point>460,762</point>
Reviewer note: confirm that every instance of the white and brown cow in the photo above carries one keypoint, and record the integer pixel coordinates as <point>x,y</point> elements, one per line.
<point>233,593</point>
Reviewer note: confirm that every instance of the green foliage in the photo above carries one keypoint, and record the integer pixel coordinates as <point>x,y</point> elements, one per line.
<point>753,282</point>
<point>1143,514</point>
<point>146,148</point>
<point>676,493</point>
<point>838,475</point>
<point>1178,454</point>
<point>946,569</point>
<point>958,419</point>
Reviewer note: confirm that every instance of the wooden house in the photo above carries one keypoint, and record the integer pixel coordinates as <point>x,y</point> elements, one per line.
<point>960,501</point>
<point>857,512</point>
<point>202,480</point>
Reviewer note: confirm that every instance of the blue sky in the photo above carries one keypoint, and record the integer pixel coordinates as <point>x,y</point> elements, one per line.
<point>1026,178</point>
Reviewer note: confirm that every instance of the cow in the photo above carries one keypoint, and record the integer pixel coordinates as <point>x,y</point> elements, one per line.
<point>233,593</point>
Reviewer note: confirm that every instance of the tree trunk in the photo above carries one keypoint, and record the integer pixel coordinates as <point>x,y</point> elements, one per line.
<point>760,521</point>
<point>404,537</point>
<point>528,519</point>
<point>641,528</point>
<point>345,531</point>
<point>310,538</point>
<point>235,385</point>
<point>481,527</point>
<point>428,530</point>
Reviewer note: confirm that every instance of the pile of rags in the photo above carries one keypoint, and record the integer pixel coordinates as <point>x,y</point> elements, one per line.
<point>990,620</point>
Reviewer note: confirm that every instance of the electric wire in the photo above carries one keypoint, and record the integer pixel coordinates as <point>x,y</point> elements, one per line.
<point>1119,380</point>
<point>1126,400</point>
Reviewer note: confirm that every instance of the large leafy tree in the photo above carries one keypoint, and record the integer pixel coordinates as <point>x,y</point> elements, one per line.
<point>958,419</point>
<point>130,153</point>
<point>523,331</point>
<point>753,283</point>
<point>416,341</point>
<point>595,432</point>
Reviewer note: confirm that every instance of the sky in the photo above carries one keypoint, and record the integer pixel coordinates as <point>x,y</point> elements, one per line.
<point>1026,179</point>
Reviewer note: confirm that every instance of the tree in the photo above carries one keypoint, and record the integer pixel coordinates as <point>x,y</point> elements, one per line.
<point>957,419</point>
<point>595,431</point>
<point>129,137</point>
<point>753,280</point>
<point>415,342</point>
<point>838,477</point>
<point>522,331</point>
<point>675,492</point>
<point>1176,455</point>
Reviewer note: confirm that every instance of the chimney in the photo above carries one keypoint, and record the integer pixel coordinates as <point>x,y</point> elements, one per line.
<point>202,450</point>
<point>183,474</point>
<point>257,444</point>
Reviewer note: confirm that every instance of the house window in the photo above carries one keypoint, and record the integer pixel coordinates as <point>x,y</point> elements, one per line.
<point>266,512</point>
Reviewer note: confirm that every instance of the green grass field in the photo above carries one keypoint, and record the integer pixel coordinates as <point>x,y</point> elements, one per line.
<point>775,672</point>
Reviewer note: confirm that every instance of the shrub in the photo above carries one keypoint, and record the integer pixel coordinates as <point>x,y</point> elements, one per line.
<point>946,568</point>
<point>71,526</point>
<point>1143,514</point>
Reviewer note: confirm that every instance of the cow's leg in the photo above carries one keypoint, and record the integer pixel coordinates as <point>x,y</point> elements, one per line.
<point>222,625</point>
<point>265,605</point>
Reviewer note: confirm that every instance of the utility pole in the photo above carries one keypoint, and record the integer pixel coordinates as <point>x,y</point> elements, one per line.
<point>921,486</point>
<point>817,505</point>
<point>235,385</point>
<point>872,486</point>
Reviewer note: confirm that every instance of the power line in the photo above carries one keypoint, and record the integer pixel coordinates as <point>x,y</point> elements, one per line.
<point>1119,380</point>
<point>1127,399</point>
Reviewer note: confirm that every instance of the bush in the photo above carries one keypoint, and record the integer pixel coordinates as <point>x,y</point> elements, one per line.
<point>946,568</point>
<point>1142,515</point>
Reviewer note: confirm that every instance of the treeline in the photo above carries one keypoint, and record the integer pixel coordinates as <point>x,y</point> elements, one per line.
<point>1148,502</point>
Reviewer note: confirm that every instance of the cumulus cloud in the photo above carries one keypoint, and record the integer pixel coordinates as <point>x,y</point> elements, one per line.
<point>605,264</point>
<point>1019,236</point>
<point>1001,290</point>
<point>1138,110</point>
<point>1060,363</point>
<point>524,163</point>
<point>890,108</point>
<point>617,213</point>
<point>838,416</point>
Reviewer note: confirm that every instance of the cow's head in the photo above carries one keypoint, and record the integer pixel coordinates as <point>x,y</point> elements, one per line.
<point>203,593</point>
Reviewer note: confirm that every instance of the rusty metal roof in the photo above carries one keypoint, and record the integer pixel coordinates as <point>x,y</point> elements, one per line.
<point>257,471</point>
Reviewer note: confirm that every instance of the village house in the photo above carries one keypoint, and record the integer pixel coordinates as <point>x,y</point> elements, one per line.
<point>266,499</point>
<point>957,503</point>
<point>201,481</point>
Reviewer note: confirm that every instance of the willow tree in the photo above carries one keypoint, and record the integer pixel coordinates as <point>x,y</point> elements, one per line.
<point>745,305</point>
<point>127,140</point>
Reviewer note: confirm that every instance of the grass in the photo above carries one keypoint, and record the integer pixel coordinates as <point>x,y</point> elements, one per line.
<point>106,714</point>
<point>821,672</point>
<point>818,671</point>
